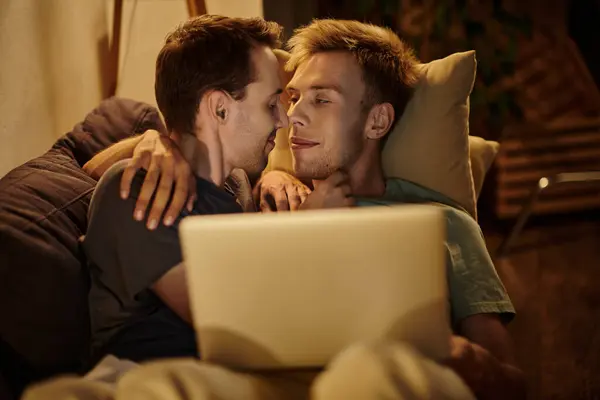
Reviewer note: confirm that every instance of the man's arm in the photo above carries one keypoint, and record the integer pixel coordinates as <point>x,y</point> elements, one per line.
<point>485,359</point>
<point>483,354</point>
<point>131,257</point>
<point>172,289</point>
<point>169,178</point>
<point>97,166</point>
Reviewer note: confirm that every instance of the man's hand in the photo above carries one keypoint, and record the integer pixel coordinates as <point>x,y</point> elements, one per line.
<point>474,364</point>
<point>166,168</point>
<point>484,374</point>
<point>279,191</point>
<point>334,192</point>
<point>485,359</point>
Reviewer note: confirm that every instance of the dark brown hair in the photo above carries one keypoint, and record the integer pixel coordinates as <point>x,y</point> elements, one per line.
<point>388,64</point>
<point>210,52</point>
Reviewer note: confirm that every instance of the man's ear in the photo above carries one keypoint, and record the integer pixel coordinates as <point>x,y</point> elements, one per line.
<point>379,121</point>
<point>219,105</point>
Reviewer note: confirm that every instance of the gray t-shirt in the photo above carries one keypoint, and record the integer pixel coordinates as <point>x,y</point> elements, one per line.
<point>125,260</point>
<point>473,283</point>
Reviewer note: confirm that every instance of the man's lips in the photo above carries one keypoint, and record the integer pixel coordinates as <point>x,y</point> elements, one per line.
<point>299,143</point>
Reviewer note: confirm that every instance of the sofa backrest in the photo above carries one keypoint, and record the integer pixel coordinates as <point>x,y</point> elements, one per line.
<point>43,213</point>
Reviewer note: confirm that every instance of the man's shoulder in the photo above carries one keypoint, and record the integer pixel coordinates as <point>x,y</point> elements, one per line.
<point>112,176</point>
<point>109,185</point>
<point>460,219</point>
<point>462,227</point>
<point>107,198</point>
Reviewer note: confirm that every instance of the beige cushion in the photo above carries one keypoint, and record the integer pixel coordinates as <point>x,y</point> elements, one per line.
<point>281,157</point>
<point>429,145</point>
<point>482,154</point>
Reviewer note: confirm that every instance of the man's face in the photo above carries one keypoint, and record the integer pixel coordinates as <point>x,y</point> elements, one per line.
<point>327,114</point>
<point>250,136</point>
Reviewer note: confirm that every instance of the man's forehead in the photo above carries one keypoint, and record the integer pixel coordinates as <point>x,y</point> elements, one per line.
<point>267,67</point>
<point>329,68</point>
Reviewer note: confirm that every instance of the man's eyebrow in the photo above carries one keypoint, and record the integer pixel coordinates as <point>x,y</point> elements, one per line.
<point>334,87</point>
<point>277,92</point>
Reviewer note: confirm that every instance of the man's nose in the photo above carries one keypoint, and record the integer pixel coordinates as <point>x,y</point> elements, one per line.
<point>295,115</point>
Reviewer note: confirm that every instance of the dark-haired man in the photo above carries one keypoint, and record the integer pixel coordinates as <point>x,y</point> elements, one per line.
<point>218,89</point>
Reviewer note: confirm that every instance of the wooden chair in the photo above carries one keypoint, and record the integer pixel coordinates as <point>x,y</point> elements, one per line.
<point>547,169</point>
<point>550,163</point>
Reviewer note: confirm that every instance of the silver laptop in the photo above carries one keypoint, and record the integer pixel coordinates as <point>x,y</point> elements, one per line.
<point>292,290</point>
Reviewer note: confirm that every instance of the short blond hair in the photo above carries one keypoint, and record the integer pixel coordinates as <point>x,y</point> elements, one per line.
<point>387,62</point>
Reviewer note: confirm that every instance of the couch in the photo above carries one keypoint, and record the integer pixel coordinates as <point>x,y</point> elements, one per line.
<point>44,328</point>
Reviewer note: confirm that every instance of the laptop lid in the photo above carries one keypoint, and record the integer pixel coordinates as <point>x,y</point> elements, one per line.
<point>290,290</point>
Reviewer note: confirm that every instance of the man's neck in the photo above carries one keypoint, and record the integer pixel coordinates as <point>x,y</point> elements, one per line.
<point>205,161</point>
<point>366,176</point>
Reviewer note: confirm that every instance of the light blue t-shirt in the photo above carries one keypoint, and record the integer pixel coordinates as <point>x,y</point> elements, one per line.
<point>473,283</point>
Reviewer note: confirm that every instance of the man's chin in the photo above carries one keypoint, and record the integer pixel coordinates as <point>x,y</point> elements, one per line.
<point>309,174</point>
<point>255,170</point>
